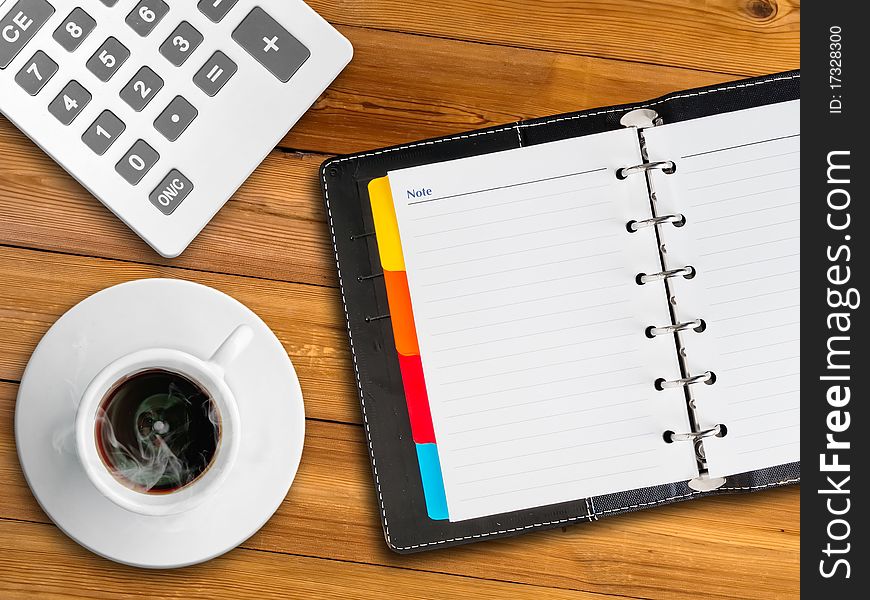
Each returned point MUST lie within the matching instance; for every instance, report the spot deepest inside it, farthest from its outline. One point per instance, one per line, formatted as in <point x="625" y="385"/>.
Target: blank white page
<point x="531" y="326"/>
<point x="738" y="184"/>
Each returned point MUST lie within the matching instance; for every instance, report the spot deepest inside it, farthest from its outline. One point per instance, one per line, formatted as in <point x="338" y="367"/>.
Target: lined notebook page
<point x="531" y="326"/>
<point x="738" y="184"/>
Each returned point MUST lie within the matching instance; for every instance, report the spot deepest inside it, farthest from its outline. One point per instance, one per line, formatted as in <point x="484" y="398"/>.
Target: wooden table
<point x="422" y="68"/>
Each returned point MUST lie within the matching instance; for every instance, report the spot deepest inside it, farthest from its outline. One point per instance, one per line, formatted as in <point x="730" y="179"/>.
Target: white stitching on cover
<point x="594" y="510"/>
<point x="353" y="351"/>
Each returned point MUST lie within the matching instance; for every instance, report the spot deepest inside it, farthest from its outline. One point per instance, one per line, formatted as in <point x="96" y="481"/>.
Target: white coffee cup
<point x="207" y="374"/>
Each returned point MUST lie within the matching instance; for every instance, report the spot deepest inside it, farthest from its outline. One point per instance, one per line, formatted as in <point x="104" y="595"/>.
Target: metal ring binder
<point x="666" y="166"/>
<point x="677" y="220"/>
<point x="377" y="318"/>
<point x="708" y="377"/>
<point x="688" y="272"/>
<point x="696" y="325"/>
<point x="716" y="431"/>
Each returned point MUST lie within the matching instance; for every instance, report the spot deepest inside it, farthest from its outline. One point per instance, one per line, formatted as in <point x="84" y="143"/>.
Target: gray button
<point x="73" y="31"/>
<point x="69" y="102"/>
<point x="109" y="3"/>
<point x="137" y="162"/>
<point x="215" y="73"/>
<point x="100" y="136"/>
<point x="216" y="10"/>
<point x="147" y="14"/>
<point x="141" y="89"/>
<point x="36" y="73"/>
<point x="176" y="118"/>
<point x="108" y="59"/>
<point x="20" y="25"/>
<point x="272" y="45"/>
<point x="181" y="43"/>
<point x="171" y="192"/>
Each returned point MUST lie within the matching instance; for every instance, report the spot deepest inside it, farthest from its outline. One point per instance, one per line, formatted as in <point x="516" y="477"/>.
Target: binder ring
<point x="369" y="319"/>
<point x="666" y="166"/>
<point x="716" y="431"/>
<point x="697" y="325"/>
<point x="677" y="220"/>
<point x="688" y="272"/>
<point x="708" y="377"/>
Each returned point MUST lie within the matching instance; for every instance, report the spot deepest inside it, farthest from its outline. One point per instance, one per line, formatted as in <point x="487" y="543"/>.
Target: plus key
<point x="271" y="45"/>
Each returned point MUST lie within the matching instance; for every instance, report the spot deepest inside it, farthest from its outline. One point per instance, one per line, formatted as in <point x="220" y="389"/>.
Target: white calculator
<point x="162" y="108"/>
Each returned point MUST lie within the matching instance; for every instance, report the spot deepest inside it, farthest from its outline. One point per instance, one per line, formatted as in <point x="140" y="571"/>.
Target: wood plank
<point x="38" y="287"/>
<point x="274" y="227"/>
<point x="746" y="546"/>
<point x="736" y="36"/>
<point x="38" y="560"/>
<point x="400" y="88"/>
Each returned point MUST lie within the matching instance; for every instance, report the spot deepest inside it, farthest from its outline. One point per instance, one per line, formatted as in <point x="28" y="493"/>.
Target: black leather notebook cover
<point x="398" y="486"/>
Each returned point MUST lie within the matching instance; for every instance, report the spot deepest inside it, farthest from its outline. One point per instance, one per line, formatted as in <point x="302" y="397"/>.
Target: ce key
<point x="19" y="26"/>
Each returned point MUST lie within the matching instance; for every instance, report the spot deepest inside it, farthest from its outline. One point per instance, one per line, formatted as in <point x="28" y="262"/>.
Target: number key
<point x="73" y="31"/>
<point x="146" y="16"/>
<point x="69" y="102"/>
<point x="137" y="162"/>
<point x="141" y="89"/>
<point x="108" y="59"/>
<point x="181" y="43"/>
<point x="100" y="136"/>
<point x="36" y="73"/>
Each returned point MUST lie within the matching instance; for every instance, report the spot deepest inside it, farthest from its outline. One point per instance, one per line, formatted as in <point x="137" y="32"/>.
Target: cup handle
<point x="231" y="347"/>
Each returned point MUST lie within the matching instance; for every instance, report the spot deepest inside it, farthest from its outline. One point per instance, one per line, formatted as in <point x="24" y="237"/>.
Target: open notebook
<point x="585" y="317"/>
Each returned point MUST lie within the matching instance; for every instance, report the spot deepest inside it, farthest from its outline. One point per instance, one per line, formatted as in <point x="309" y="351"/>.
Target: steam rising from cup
<point x="157" y="431"/>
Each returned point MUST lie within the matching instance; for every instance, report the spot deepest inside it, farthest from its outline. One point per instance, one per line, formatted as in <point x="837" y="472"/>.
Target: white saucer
<point x="131" y="317"/>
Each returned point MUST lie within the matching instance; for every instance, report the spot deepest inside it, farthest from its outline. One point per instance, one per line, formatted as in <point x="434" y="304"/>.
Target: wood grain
<point x="747" y="37"/>
<point x="401" y="88"/>
<point x="38" y="560"/>
<point x="274" y="227"/>
<point x="38" y="287"/>
<point x="331" y="513"/>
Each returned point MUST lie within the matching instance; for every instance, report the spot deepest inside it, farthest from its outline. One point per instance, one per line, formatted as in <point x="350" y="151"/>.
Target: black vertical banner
<point x="835" y="110"/>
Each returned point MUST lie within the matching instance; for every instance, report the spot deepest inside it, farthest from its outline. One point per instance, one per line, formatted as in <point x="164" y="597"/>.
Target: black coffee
<point x="157" y="431"/>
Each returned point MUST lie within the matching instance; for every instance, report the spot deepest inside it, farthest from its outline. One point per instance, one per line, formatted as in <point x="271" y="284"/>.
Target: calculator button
<point x="141" y="89"/>
<point x="73" y="31"/>
<point x="176" y="118"/>
<point x="147" y="14"/>
<point x="70" y="102"/>
<point x="36" y="73"/>
<point x="181" y="43"/>
<point x="272" y="45"/>
<point x="109" y="3"/>
<point x="20" y="25"/>
<point x="137" y="162"/>
<point x="108" y="59"/>
<point x="171" y="192"/>
<point x="100" y="136"/>
<point x="215" y="73"/>
<point x="216" y="10"/>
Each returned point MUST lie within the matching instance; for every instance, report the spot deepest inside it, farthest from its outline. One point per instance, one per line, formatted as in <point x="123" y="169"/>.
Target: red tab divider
<point x="417" y="399"/>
